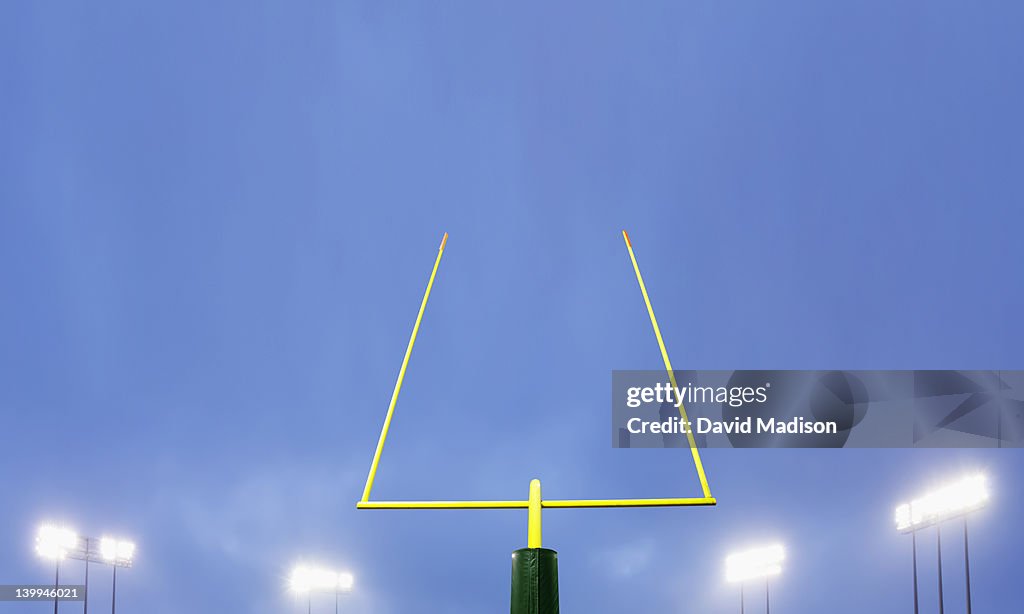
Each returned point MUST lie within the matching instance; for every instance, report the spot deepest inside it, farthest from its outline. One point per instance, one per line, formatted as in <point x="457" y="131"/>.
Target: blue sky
<point x="216" y="221"/>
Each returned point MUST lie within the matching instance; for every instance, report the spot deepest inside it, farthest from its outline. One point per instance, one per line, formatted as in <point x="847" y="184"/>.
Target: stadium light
<point x="954" y="500"/>
<point x="960" y="497"/>
<point x="58" y="543"/>
<point x="752" y="564"/>
<point x="116" y="551"/>
<point x="756" y="563"/>
<point x="55" y="543"/>
<point x="345" y="581"/>
<point x="306" y="579"/>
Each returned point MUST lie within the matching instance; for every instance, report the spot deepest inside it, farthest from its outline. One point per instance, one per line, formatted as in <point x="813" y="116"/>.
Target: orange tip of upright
<point x="444" y="240"/>
<point x="626" y="237"/>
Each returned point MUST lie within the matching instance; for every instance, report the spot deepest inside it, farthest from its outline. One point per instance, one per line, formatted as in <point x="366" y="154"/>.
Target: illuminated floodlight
<point x="116" y="551"/>
<point x="300" y="579"/>
<point x="755" y="563"/>
<point x="966" y="495"/>
<point x="306" y="579"/>
<point x="345" y="581"/>
<point x="53" y="542"/>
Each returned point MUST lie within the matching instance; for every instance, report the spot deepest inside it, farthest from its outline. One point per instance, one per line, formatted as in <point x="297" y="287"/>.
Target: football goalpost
<point x="534" y="568"/>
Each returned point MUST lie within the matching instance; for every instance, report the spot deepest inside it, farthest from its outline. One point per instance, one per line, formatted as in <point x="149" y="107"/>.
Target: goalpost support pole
<point x="534" y="568"/>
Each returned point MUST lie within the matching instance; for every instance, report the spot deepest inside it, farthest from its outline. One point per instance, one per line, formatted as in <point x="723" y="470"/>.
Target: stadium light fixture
<point x="54" y="542"/>
<point x="58" y="543"/>
<point x="313" y="579"/>
<point x="345" y="581"/>
<point x="957" y="499"/>
<point x="115" y="551"/>
<point x="306" y="579"/>
<point x="753" y="564"/>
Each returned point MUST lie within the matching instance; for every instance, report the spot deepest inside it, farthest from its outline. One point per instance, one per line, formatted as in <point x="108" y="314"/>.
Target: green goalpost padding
<point x="534" y="581"/>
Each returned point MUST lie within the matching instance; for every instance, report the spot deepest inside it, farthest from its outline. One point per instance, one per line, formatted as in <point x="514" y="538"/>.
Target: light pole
<point x="938" y="551"/>
<point x="55" y="543"/>
<point x="913" y="541"/>
<point x="116" y="553"/>
<point x="752" y="564"/>
<point x="954" y="500"/>
<point x="307" y="579"/>
<point x="967" y="567"/>
<point x="85" y="604"/>
<point x="58" y="543"/>
<point x="345" y="582"/>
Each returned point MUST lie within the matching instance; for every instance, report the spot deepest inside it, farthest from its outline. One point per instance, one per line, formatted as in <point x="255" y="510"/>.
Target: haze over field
<point x="216" y="222"/>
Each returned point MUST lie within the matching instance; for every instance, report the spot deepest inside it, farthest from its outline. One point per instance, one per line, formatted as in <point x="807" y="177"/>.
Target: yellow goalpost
<point x="534" y="503"/>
